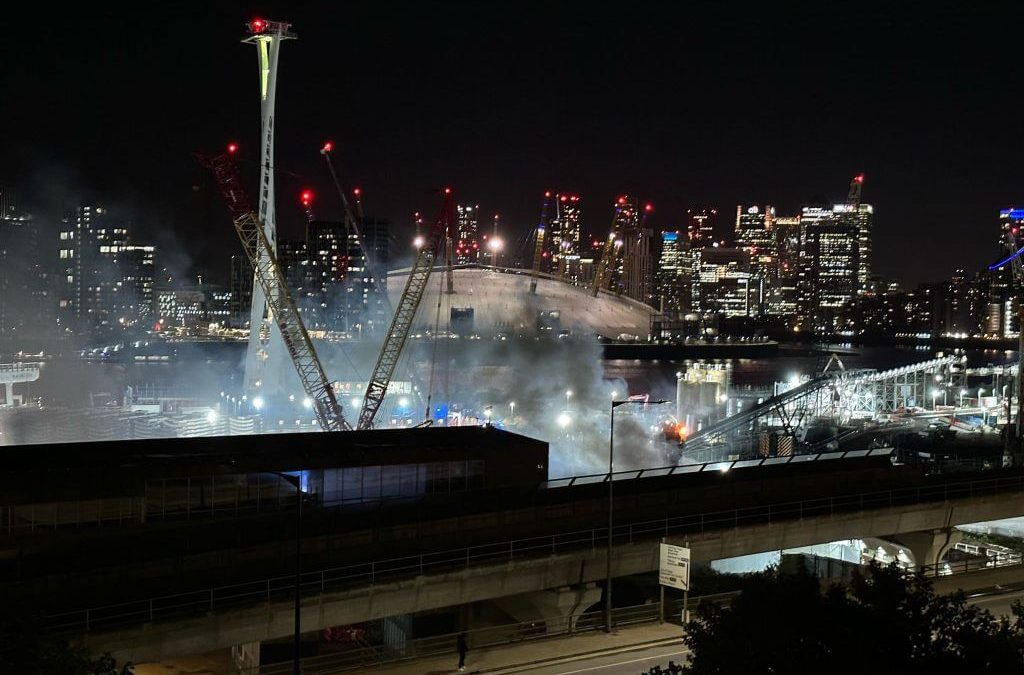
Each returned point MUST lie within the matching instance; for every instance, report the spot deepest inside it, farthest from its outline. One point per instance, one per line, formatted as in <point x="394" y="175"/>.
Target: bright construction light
<point x="794" y="379"/>
<point x="564" y="420"/>
<point x="419" y="241"/>
<point x="355" y="402"/>
<point x="211" y="417"/>
<point x="404" y="402"/>
<point x="258" y="403"/>
<point x="495" y="244"/>
<point x="724" y="398"/>
<point x="307" y="403"/>
<point x="935" y="394"/>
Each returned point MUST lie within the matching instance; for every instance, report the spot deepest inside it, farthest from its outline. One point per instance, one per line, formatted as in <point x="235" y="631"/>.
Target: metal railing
<point x="368" y="574"/>
<point x="367" y="656"/>
<point x="714" y="465"/>
<point x="943" y="569"/>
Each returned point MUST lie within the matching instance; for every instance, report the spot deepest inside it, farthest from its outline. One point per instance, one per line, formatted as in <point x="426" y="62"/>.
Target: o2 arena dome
<point x="497" y="302"/>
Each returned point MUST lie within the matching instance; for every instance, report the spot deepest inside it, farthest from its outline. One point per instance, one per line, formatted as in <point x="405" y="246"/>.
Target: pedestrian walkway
<point x="522" y="656"/>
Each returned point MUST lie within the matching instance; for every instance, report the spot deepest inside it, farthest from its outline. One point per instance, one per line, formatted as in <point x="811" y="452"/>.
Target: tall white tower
<point x="265" y="356"/>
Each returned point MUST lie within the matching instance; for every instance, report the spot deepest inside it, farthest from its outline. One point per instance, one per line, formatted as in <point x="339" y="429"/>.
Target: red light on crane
<point x="859" y="178"/>
<point x="232" y="148"/>
<point x="622" y="200"/>
<point x="564" y="198"/>
<point x="306" y="196"/>
<point x="447" y="190"/>
<point x="648" y="207"/>
<point x="547" y="194"/>
<point x="258" y="25"/>
<point x="328" y="146"/>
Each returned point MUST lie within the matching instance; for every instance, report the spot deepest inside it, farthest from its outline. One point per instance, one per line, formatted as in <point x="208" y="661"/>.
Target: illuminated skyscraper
<point x="830" y="265"/>
<point x="862" y="217"/>
<point x="700" y="227"/>
<point x="782" y="297"/>
<point x="675" y="273"/>
<point x="755" y="234"/>
<point x="565" y="238"/>
<point x="467" y="235"/>
<point x="106" y="281"/>
<point x="722" y="281"/>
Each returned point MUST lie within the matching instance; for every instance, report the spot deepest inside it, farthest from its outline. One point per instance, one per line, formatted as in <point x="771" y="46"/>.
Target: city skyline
<point x="502" y="151"/>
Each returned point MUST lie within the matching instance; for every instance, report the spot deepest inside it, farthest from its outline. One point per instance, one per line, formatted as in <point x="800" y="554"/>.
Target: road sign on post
<point x="674" y="570"/>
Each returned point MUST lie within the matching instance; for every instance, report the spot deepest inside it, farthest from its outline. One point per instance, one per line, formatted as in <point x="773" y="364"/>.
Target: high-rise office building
<point x="862" y="217"/>
<point x="782" y="297"/>
<point x="633" y="271"/>
<point x="106" y="281"/>
<point x="700" y="227"/>
<point x="675" y="273"/>
<point x="565" y="238"/>
<point x="830" y="267"/>
<point x="367" y="309"/>
<point x="26" y="304"/>
<point x="467" y="235"/>
<point x="722" y="281"/>
<point x="755" y="234"/>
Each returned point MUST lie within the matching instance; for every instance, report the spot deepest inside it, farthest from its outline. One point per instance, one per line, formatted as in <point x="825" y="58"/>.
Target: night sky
<point x="712" y="104"/>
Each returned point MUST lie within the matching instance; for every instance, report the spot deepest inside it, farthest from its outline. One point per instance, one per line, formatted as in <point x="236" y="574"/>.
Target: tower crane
<point x="538" y="246"/>
<point x="405" y="313"/>
<point x="268" y="273"/>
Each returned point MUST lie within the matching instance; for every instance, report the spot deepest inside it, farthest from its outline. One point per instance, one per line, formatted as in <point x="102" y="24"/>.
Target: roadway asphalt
<point x="623" y="663"/>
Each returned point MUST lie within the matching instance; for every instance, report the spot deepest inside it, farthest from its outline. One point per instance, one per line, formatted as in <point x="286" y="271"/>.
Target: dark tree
<point x="25" y="647"/>
<point x="883" y="622"/>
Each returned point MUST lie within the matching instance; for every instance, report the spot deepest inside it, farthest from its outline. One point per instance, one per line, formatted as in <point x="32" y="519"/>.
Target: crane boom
<point x="538" y="246"/>
<point x="405" y="313"/>
<point x="279" y="298"/>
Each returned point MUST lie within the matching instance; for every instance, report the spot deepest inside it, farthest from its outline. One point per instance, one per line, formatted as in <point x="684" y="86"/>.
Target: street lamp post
<point x="611" y="507"/>
<point x="296" y="482"/>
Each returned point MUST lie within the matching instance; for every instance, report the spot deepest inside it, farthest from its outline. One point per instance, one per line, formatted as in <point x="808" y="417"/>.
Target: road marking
<point x="622" y="663"/>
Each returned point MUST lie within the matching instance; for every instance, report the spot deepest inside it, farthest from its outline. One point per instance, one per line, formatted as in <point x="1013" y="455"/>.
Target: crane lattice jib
<point x="405" y="313"/>
<point x="279" y="298"/>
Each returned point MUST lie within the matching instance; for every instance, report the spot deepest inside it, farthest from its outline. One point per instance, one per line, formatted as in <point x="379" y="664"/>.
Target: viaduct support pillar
<point x="246" y="657"/>
<point x="5" y="389"/>
<point x="557" y="609"/>
<point x="928" y="547"/>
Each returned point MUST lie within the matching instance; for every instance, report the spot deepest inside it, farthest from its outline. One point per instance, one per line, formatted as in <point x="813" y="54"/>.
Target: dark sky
<point x="684" y="105"/>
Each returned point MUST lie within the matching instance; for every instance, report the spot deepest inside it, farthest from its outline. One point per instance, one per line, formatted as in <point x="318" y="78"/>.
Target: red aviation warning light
<point x="648" y="207"/>
<point x="328" y="147"/>
<point x="257" y="25"/>
<point x="232" y="148"/>
<point x="306" y="197"/>
<point x="622" y="200"/>
<point x="564" y="198"/>
<point x="357" y="192"/>
<point x="447" y="190"/>
<point x="547" y="195"/>
<point x="859" y="178"/>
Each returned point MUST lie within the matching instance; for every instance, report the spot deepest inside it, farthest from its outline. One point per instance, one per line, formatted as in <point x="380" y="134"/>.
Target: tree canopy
<point x="882" y="622"/>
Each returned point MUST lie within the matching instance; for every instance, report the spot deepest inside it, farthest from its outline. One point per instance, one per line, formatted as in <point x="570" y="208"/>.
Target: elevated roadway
<point x="920" y="512"/>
